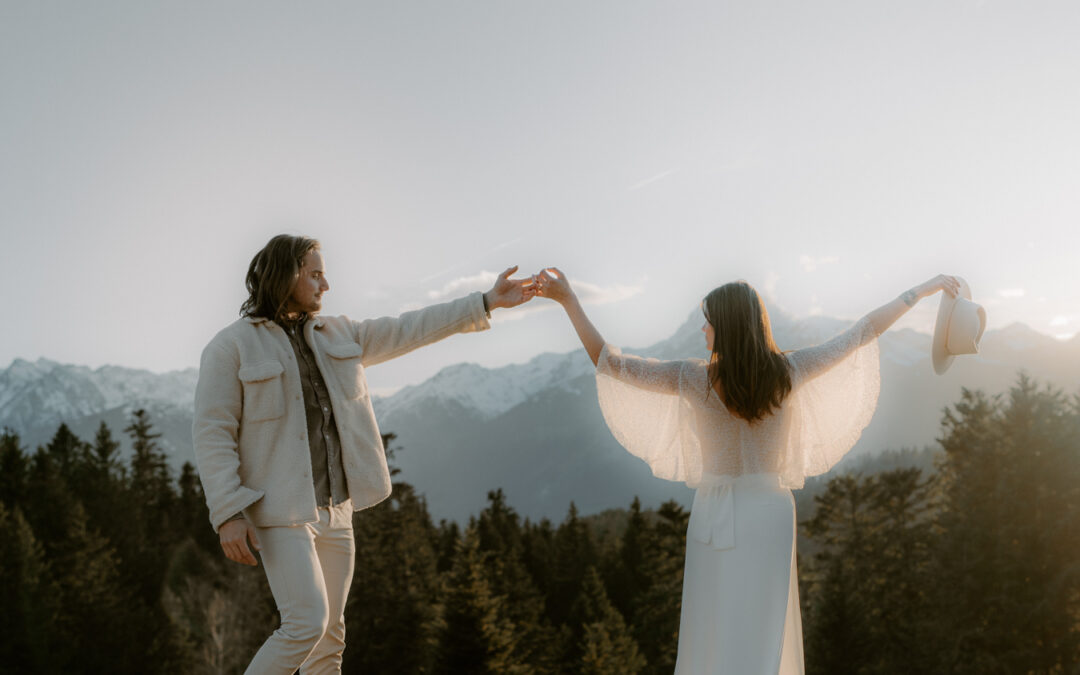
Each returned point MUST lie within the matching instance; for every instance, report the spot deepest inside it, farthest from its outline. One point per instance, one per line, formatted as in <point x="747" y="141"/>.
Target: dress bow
<point x="712" y="518"/>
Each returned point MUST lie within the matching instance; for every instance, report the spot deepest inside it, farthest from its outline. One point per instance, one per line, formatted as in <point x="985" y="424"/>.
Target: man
<point x="286" y="440"/>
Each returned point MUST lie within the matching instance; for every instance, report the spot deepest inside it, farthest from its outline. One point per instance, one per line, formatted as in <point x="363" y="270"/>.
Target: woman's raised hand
<point x="886" y="315"/>
<point x="552" y="283"/>
<point x="945" y="282"/>
<point x="942" y="282"/>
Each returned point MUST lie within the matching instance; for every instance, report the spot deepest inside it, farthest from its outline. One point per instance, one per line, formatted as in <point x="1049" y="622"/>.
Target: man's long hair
<point x="272" y="275"/>
<point x="752" y="373"/>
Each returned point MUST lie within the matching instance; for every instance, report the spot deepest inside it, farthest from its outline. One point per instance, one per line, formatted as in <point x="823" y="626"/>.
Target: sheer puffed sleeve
<point x="643" y="405"/>
<point x="834" y="393"/>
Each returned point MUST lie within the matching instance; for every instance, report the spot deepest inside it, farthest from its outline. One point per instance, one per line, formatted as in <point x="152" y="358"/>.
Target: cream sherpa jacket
<point x="250" y="429"/>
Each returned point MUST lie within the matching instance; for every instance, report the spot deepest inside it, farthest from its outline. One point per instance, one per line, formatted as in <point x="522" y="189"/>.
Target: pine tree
<point x="655" y="611"/>
<point x="66" y="449"/>
<point x="151" y="533"/>
<point x="93" y="600"/>
<point x="479" y="636"/>
<point x="46" y="501"/>
<point x="901" y="573"/>
<point x="868" y="585"/>
<point x="14" y="469"/>
<point x="101" y="487"/>
<point x="628" y="571"/>
<point x="606" y="646"/>
<point x="574" y="554"/>
<point x="28" y="598"/>
<point x="538" y="555"/>
<point x="193" y="516"/>
<point x="394" y="606"/>
<point x="967" y="547"/>
<point x="105" y="455"/>
<point x="149" y="466"/>
<point x="835" y="641"/>
<point x="1010" y="592"/>
<point x="447" y="541"/>
<point x="501" y="546"/>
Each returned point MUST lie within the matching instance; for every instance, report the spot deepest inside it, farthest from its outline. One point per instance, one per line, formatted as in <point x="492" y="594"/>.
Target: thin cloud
<point x="1061" y="320"/>
<point x="595" y="294"/>
<point x="588" y="293"/>
<point x="649" y="181"/>
<point x="810" y="264"/>
<point x="521" y="311"/>
<point x="493" y="249"/>
<point x="462" y="285"/>
<point x="1011" y="292"/>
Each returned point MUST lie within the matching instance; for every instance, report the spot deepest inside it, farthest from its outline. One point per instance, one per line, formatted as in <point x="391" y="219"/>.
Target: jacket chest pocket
<point x="264" y="390"/>
<point x="346" y="367"/>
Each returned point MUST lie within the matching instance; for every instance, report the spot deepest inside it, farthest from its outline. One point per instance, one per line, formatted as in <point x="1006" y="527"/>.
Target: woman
<point x="744" y="429"/>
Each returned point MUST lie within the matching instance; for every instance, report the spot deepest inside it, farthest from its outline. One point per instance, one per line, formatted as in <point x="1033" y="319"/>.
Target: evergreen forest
<point x="963" y="558"/>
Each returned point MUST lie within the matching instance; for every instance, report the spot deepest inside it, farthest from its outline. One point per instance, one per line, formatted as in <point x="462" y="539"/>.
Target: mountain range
<point x="535" y="429"/>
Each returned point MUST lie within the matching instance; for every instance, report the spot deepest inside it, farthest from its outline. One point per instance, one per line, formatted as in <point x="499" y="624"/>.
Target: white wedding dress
<point x="740" y="602"/>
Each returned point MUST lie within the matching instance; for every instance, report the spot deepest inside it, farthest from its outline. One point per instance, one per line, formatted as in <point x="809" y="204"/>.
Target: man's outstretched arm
<point x="389" y="337"/>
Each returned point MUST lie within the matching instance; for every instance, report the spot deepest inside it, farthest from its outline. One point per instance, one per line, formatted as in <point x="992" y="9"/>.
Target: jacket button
<point x="297" y="398"/>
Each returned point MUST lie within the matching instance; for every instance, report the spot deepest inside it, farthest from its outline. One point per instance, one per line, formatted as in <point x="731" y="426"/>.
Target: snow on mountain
<point x="42" y="394"/>
<point x="534" y="428"/>
<point x="489" y="392"/>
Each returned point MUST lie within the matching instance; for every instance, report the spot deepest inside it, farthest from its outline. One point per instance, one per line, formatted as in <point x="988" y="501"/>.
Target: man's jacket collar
<point x="316" y="320"/>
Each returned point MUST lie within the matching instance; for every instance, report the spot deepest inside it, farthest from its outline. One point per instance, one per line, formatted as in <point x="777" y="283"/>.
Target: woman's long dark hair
<point x="273" y="273"/>
<point x="753" y="375"/>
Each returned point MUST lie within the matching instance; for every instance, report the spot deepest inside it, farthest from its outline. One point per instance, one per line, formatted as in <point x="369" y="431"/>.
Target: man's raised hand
<point x="509" y="292"/>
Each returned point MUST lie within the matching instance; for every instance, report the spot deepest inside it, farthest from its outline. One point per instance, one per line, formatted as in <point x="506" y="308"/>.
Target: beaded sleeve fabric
<point x="664" y="412"/>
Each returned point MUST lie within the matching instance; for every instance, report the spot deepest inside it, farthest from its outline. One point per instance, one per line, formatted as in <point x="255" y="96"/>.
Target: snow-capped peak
<point x="491" y="391"/>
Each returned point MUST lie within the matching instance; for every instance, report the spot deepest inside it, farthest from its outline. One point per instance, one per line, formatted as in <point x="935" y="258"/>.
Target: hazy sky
<point x="831" y="153"/>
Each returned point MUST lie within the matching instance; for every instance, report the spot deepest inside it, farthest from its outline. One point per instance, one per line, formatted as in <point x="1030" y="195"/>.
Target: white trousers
<point x="310" y="569"/>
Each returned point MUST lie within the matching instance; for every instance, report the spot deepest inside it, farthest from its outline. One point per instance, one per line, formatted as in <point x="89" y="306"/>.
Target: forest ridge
<point x="970" y="567"/>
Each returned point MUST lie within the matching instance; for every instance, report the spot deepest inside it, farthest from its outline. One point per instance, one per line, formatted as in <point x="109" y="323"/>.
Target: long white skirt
<point x="740" y="601"/>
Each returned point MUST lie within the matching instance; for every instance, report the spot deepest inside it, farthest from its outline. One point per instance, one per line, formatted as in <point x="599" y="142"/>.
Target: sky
<point x="833" y="154"/>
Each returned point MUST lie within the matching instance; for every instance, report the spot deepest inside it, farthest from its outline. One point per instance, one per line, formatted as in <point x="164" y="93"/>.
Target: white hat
<point x="960" y="326"/>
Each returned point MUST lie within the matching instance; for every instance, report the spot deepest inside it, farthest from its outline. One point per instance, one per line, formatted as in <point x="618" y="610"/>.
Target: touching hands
<point x="549" y="283"/>
<point x="552" y="283"/>
<point x="234" y="535"/>
<point x="509" y="292"/>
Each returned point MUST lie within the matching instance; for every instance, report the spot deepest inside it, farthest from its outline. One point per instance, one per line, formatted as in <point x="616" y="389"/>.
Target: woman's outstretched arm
<point x="552" y="283"/>
<point x="885" y="316"/>
<point x="812" y="361"/>
<point x="649" y="374"/>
